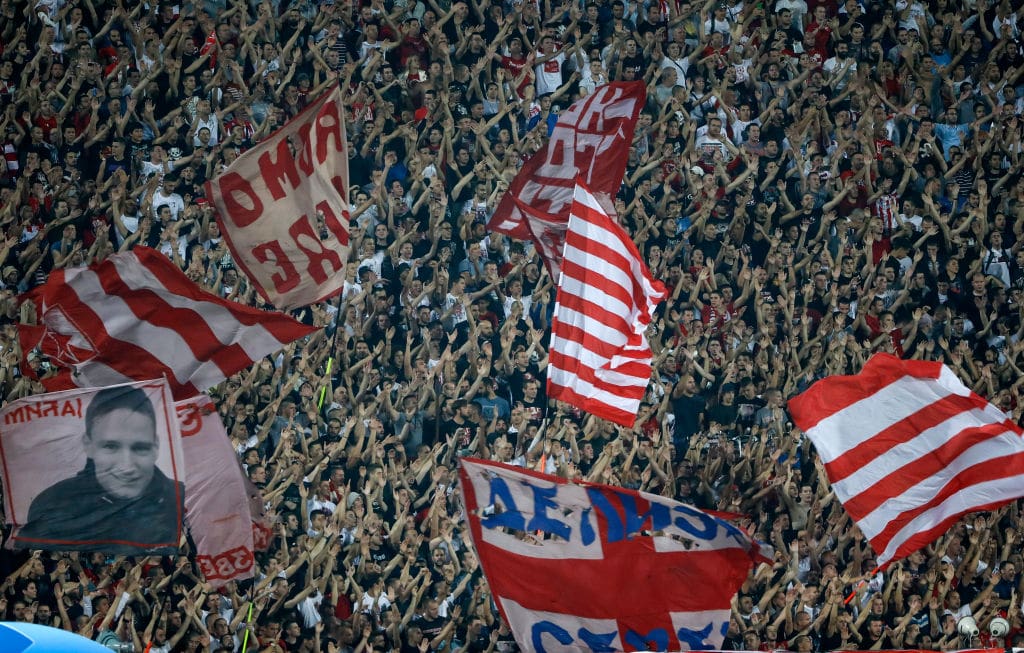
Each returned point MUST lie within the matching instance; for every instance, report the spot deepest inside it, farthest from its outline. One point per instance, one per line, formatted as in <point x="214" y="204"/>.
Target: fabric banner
<point x="217" y="503"/>
<point x="136" y="316"/>
<point x="909" y="449"/>
<point x="590" y="141"/>
<point x="600" y="358"/>
<point x="578" y="567"/>
<point x="262" y="528"/>
<point x="94" y="470"/>
<point x="283" y="207"/>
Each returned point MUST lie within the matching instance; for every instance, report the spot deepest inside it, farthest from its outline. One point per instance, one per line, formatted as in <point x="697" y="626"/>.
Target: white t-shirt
<point x="211" y="124"/>
<point x="172" y="200"/>
<point x="458" y="309"/>
<point x="549" y="74"/>
<point x="309" y="609"/>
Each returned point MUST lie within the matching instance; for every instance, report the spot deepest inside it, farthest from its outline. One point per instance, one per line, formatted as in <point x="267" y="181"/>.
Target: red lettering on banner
<point x="276" y="171"/>
<point x="261" y="536"/>
<point x="305" y="149"/>
<point x="329" y="130"/>
<point x="206" y="567"/>
<point x="546" y="199"/>
<point x="261" y="199"/>
<point x="73" y="409"/>
<point x="47" y="408"/>
<point x="592" y="114"/>
<point x="560" y="147"/>
<point x="331" y="221"/>
<point x="243" y="215"/>
<point x="306" y="239"/>
<point x="273" y="253"/>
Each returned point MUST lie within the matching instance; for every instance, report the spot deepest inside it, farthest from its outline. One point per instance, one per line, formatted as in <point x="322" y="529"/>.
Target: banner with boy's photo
<point x="97" y="469"/>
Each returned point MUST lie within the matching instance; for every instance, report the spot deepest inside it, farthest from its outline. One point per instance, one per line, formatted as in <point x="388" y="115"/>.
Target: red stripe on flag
<point x="917" y="470"/>
<point x="591" y="342"/>
<point x="591" y="279"/>
<point x="594" y="312"/>
<point x="590" y="405"/>
<point x="899" y="433"/>
<point x="985" y="471"/>
<point x="213" y="329"/>
<point x="150" y="307"/>
<point x="282" y="327"/>
<point x="131" y="360"/>
<point x="930" y="489"/>
<point x="833" y="394"/>
<point x="598" y="336"/>
<point x="921" y="539"/>
<point x="584" y="373"/>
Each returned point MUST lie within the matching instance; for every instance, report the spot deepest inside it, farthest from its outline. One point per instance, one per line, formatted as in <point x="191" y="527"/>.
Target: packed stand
<point x="813" y="181"/>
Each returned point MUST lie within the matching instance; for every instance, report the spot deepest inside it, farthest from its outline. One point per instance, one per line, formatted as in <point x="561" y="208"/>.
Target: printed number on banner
<point x="227" y="564"/>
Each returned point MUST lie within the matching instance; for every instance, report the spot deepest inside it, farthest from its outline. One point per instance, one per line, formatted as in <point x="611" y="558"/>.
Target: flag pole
<point x="859" y="585"/>
<point x="248" y="622"/>
<point x="330" y="359"/>
<point x="327" y="382"/>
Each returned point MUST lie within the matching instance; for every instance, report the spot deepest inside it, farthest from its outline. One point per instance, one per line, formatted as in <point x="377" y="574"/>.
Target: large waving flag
<point x="600" y="360"/>
<point x="283" y="208"/>
<point x="587" y="567"/>
<point x="137" y="316"/>
<point x="909" y="450"/>
<point x="590" y="141"/>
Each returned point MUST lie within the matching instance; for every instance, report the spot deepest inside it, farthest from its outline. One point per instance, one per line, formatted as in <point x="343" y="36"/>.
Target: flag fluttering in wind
<point x="136" y="316"/>
<point x="909" y="449"/>
<point x="600" y="360"/>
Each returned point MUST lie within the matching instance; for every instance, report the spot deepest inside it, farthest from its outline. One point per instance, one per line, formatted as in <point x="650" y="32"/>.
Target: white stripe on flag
<point x="927" y="489"/>
<point x="594" y="328"/>
<point x="145" y="319"/>
<point x="610" y="378"/>
<point x="222" y="323"/>
<point x="895" y="458"/>
<point x="595" y="361"/>
<point x="908" y="449"/>
<point x="569" y="380"/>
<point x="165" y="345"/>
<point x="980" y="494"/>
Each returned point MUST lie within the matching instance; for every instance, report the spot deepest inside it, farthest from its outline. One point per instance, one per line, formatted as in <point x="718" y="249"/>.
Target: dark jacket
<point x="77" y="514"/>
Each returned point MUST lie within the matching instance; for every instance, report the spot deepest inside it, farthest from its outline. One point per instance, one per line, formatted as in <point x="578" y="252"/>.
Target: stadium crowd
<point x="813" y="180"/>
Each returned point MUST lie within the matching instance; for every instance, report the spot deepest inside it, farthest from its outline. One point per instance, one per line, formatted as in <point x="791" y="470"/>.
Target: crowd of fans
<point x="813" y="180"/>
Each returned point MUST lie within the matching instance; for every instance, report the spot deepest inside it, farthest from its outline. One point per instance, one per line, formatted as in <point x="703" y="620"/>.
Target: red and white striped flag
<point x="137" y="316"/>
<point x="909" y="450"/>
<point x="600" y="360"/>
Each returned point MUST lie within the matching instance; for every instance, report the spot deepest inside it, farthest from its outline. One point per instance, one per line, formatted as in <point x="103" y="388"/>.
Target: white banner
<point x="217" y="503"/>
<point x="283" y="207"/>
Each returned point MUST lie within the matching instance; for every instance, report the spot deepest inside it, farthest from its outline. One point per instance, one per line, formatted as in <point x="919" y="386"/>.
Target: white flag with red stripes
<point x="600" y="360"/>
<point x="136" y="316"/>
<point x="909" y="450"/>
